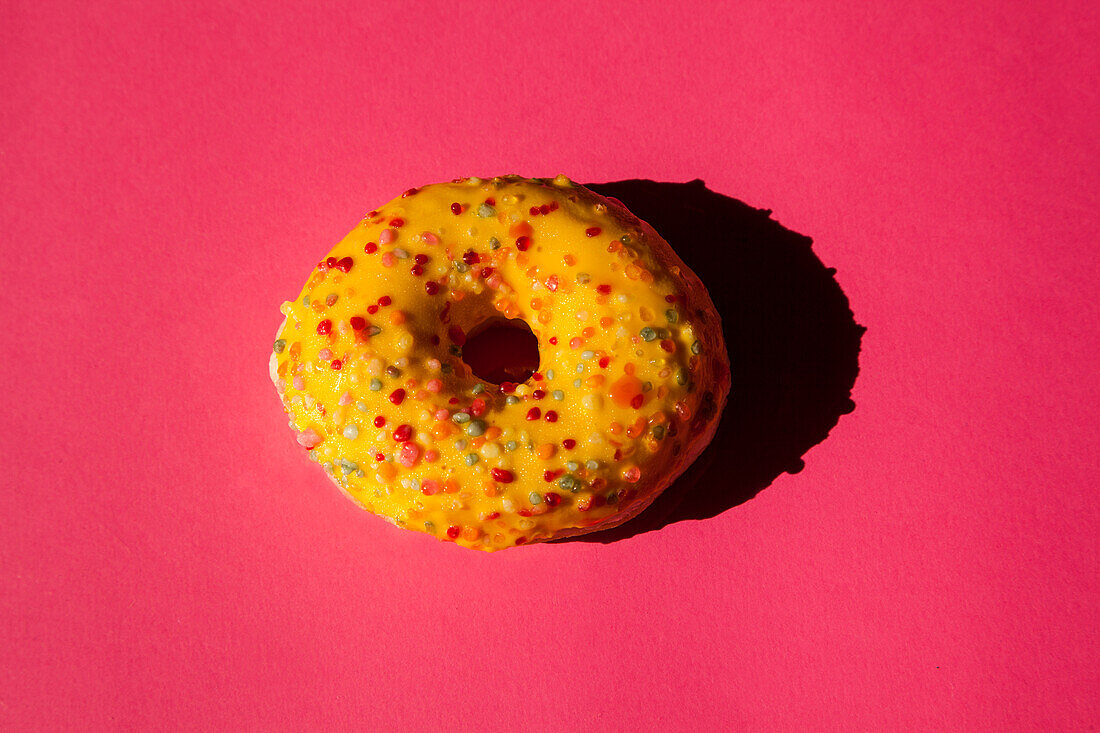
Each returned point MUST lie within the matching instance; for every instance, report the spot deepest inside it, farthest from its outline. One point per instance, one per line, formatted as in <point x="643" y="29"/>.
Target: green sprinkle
<point x="647" y="386"/>
<point x="658" y="431"/>
<point x="696" y="347"/>
<point x="374" y="331"/>
<point x="648" y="334"/>
<point x="485" y="211"/>
<point x="494" y="243"/>
<point x="430" y="526"/>
<point x="478" y="388"/>
<point x="375" y="384"/>
<point x="471" y="459"/>
<point x="682" y="377"/>
<point x="305" y="300"/>
<point x="625" y="239"/>
<point x="462" y="267"/>
<point x="672" y="315"/>
<point x="460" y="417"/>
<point x="511" y="400"/>
<point x="558" y="395"/>
<point x="401" y="254"/>
<point x="535" y="497"/>
<point x="279" y="346"/>
<point x="475" y="428"/>
<point x="568" y="483"/>
<point x="549" y="373"/>
<point x="510" y="446"/>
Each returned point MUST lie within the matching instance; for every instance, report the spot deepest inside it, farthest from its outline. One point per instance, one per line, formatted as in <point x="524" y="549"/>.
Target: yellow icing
<point x="555" y="287"/>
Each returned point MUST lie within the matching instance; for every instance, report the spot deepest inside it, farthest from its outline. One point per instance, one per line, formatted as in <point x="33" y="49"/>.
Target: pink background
<point x="171" y="559"/>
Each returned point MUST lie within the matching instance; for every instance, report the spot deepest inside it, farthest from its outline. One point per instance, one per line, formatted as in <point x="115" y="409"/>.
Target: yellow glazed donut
<point x="630" y="380"/>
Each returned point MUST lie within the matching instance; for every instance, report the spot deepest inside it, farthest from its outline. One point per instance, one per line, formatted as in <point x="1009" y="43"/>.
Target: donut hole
<point x="501" y="350"/>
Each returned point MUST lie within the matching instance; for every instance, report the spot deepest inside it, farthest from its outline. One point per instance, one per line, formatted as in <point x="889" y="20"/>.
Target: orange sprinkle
<point x="614" y="246"/>
<point x="632" y="271"/>
<point x="658" y="418"/>
<point x="522" y="229"/>
<point x="588" y="332"/>
<point x="491" y="489"/>
<point x="545" y="316"/>
<point x="470" y="533"/>
<point x="386" y="471"/>
<point x="607" y="321"/>
<point x="441" y="430"/>
<point x="594" y="381"/>
<point x="569" y="260"/>
<point x="522" y="259"/>
<point x="492" y="433"/>
<point x="662" y="392"/>
<point x="536" y="304"/>
<point x="546" y="451"/>
<point x="628" y="367"/>
<point x="450" y="486"/>
<point x="477" y="442"/>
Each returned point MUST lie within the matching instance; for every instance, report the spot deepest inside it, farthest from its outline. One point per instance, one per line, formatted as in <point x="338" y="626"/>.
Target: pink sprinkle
<point x="431" y="456"/>
<point x="388" y="259"/>
<point x="309" y="439"/>
<point x="434" y="385"/>
<point x="575" y="342"/>
<point x="325" y="354"/>
<point x="429" y="486"/>
<point x="387" y="236"/>
<point x="299" y="384"/>
<point x="442" y="414"/>
<point x="345" y="399"/>
<point x="408" y="455"/>
<point x="280" y="385"/>
<point x="429" y="238"/>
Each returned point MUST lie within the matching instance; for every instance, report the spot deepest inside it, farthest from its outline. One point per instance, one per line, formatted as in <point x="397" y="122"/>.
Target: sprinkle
<point x="494" y="243"/>
<point x="388" y="259"/>
<point x="592" y="231"/>
<point x="351" y="431"/>
<point x="696" y="347"/>
<point x="361" y="406"/>
<point x="534" y="413"/>
<point x="460" y="444"/>
<point x="503" y="476"/>
<point x="337" y="364"/>
<point x="324" y="327"/>
<point x="551" y="416"/>
<point x="549" y="373"/>
<point x="403" y="433"/>
<point x="511" y="400"/>
<point x="358" y="323"/>
<point x="408" y="455"/>
<point x="588" y="354"/>
<point x="453" y="532"/>
<point x="344" y="265"/>
<point x="460" y="417"/>
<point x="429" y="238"/>
<point x="572" y="465"/>
<point x="682" y="377"/>
<point x="569" y="444"/>
<point x="558" y="395"/>
<point x="485" y="211"/>
<point x="672" y="315"/>
<point x="280" y="344"/>
<point x="648" y="334"/>
<point x="324" y="354"/>
<point x="522" y="243"/>
<point x="387" y="236"/>
<point x="535" y="497"/>
<point x="379" y="421"/>
<point x="375" y="384"/>
<point x="456" y="208"/>
<point x="370" y="248"/>
<point x="397" y="396"/>
<point x="309" y="439"/>
<point x="552" y="499"/>
<point x="510" y="446"/>
<point x="591" y="465"/>
<point x="401" y="254"/>
<point x="431" y="287"/>
<point x="471" y="459"/>
<point x="475" y="428"/>
<point x="569" y="483"/>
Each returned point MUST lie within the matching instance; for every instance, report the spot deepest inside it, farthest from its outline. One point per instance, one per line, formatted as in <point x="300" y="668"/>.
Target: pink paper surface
<point x="171" y="171"/>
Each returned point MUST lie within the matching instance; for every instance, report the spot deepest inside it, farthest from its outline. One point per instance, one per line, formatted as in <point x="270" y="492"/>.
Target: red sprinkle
<point x="569" y="443"/>
<point x="372" y="309"/>
<point x="324" y="327"/>
<point x="507" y="387"/>
<point x="520" y="541"/>
<point x="533" y="211"/>
<point x="379" y="422"/>
<point x="432" y="287"/>
<point x="453" y="531"/>
<point x="456" y="208"/>
<point x="330" y="262"/>
<point x="477" y="407"/>
<point x="384" y="301"/>
<point x="486" y="271"/>
<point x="670" y="298"/>
<point x="637" y="401"/>
<point x="553" y="340"/>
<point x="534" y="413"/>
<point x="345" y="264"/>
<point x="471" y="258"/>
<point x="604" y="361"/>
<point x="410" y="192"/>
<point x="358" y="323"/>
<point x="417" y="270"/>
<point x="370" y="248"/>
<point x="603" y="289"/>
<point x="592" y="231"/>
<point x="551" y="416"/>
<point x="337" y="364"/>
<point x="504" y="477"/>
<point x="403" y="433"/>
<point x="538" y="394"/>
<point x="552" y="499"/>
<point x="523" y="243"/>
<point x="398" y="222"/>
<point x="397" y="396"/>
<point x="544" y="209"/>
<point x="421" y="259"/>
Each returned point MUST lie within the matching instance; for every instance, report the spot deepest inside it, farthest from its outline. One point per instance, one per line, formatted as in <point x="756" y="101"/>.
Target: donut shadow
<point x="792" y="339"/>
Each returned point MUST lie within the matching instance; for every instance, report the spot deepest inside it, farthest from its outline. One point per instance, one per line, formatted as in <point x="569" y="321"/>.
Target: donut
<point x="619" y="387"/>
